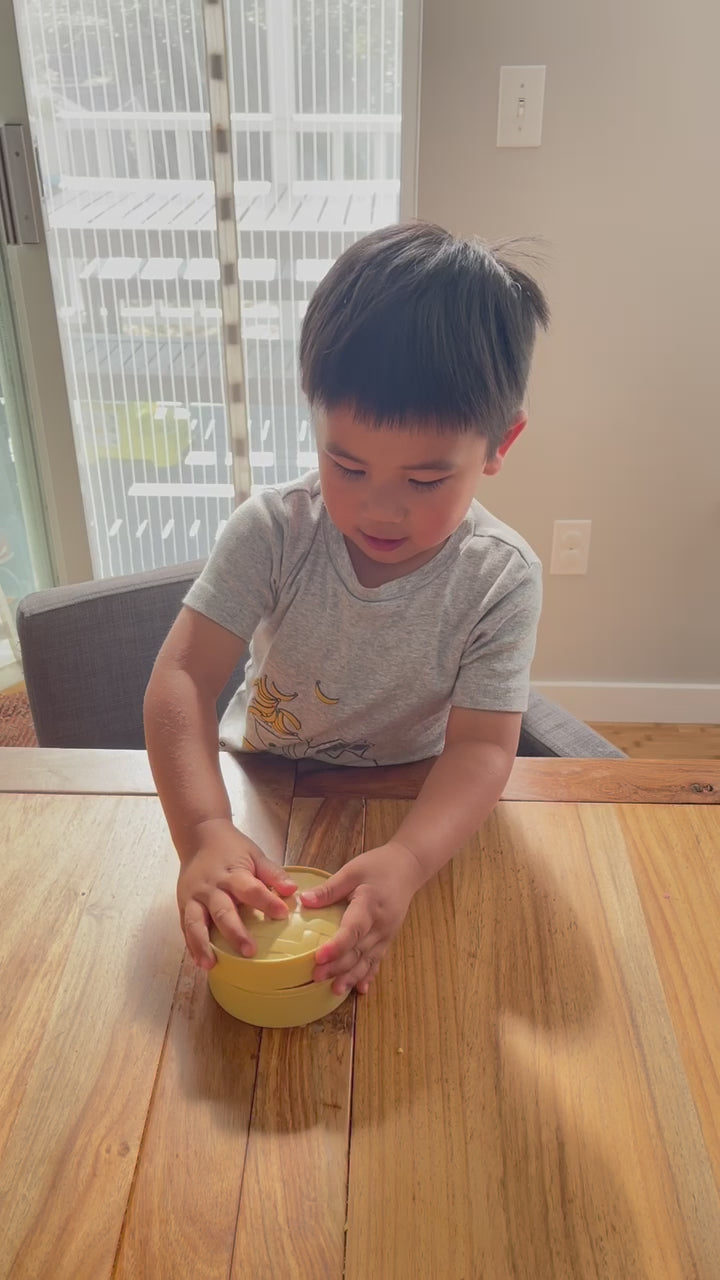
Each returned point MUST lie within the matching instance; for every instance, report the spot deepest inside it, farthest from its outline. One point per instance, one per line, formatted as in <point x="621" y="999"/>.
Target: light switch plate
<point x="520" y="106"/>
<point x="570" y="546"/>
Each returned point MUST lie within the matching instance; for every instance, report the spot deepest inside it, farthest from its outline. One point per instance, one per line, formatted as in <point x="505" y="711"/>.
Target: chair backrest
<point x="88" y="651"/>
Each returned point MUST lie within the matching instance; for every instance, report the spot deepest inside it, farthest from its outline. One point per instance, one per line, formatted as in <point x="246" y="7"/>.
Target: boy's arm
<point x="463" y="786"/>
<point x="459" y="793"/>
<point x="181" y="727"/>
<point x="220" y="867"/>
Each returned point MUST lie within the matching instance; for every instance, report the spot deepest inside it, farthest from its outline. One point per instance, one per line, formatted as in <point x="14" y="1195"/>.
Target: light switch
<point x="570" y="546"/>
<point x="520" y="106"/>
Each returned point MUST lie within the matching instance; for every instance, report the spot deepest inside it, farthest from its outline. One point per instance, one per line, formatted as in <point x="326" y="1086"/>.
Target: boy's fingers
<point x="273" y="875"/>
<point x="356" y="925"/>
<point x="224" y="912"/>
<point x="347" y="961"/>
<point x="247" y="888"/>
<point x="333" y="890"/>
<point x="363" y="972"/>
<point x="197" y="937"/>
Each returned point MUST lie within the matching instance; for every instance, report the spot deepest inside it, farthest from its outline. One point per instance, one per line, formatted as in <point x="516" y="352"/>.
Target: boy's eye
<point x="425" y="485"/>
<point x="345" y="471"/>
<point x="428" y="484"/>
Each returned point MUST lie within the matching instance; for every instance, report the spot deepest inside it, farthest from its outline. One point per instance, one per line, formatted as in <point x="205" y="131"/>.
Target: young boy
<point x="389" y="616"/>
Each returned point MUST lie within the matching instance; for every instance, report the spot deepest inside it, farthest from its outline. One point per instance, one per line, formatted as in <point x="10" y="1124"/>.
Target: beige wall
<point x="625" y="396"/>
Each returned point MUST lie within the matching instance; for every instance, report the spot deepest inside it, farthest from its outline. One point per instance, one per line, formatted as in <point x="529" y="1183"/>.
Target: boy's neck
<point x="372" y="573"/>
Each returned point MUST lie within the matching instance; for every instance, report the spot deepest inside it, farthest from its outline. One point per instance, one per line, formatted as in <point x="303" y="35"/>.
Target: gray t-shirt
<point x="365" y="675"/>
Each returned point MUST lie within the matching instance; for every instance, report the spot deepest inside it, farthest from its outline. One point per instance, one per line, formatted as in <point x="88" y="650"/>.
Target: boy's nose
<point x="384" y="507"/>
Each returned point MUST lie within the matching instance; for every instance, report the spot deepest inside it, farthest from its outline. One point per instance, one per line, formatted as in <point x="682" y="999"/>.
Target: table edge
<point x="84" y="771"/>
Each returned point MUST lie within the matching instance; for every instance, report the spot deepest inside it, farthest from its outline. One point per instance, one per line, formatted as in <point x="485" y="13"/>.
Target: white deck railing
<point x="130" y="211"/>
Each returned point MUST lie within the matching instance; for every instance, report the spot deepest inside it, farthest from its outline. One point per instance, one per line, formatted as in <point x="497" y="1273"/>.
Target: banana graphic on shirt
<point x="273" y="721"/>
<point x="266" y="709"/>
<point x="322" y="697"/>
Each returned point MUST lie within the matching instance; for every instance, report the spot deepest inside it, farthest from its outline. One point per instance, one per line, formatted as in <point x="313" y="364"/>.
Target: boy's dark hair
<point x="412" y="326"/>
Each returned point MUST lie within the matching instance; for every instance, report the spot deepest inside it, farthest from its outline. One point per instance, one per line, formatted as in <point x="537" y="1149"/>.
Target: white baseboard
<point x="644" y="703"/>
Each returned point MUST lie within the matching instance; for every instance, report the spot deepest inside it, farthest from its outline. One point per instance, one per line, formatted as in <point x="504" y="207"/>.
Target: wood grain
<point x="249" y="780"/>
<point x="409" y="1205"/>
<point x="585" y="1156"/>
<point x="396" y="782"/>
<point x="39" y="923"/>
<point x="551" y="780"/>
<point x="48" y="769"/>
<point x="183" y="1209"/>
<point x="261" y="791"/>
<point x="664" y="741"/>
<point x="76" y="1126"/>
<point x="675" y="856"/>
<point x="292" y="1213"/>
<point x="553" y="1110"/>
<point x="77" y="771"/>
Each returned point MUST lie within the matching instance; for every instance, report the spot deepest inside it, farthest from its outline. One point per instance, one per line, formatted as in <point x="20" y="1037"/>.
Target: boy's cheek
<point x="435" y="527"/>
<point x="338" y="504"/>
<point x="453" y="513"/>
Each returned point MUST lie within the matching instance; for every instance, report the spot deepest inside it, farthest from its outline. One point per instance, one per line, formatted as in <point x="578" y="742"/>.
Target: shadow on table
<point x="520" y="942"/>
<point x="304" y="1075"/>
<point x="212" y="1058"/>
<point x="546" y="1199"/>
<point x="543" y="1199"/>
<point x="153" y="962"/>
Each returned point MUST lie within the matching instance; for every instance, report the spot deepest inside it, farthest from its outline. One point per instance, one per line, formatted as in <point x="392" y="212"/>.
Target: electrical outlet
<point x="571" y="546"/>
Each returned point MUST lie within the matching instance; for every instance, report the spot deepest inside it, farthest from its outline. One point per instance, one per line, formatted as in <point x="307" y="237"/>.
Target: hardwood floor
<point x="664" y="741"/>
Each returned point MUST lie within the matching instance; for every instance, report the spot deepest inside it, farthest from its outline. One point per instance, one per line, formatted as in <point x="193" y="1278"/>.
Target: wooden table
<point x="531" y="1089"/>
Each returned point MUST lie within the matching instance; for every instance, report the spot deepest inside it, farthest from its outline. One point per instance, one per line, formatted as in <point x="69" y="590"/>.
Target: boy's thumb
<point x="333" y="890"/>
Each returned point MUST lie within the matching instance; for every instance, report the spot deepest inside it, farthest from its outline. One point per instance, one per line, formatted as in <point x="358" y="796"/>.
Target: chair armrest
<point x="549" y="730"/>
<point x="88" y="651"/>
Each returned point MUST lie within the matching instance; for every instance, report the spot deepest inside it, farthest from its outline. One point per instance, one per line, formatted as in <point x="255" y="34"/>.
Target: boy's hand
<point x="227" y="869"/>
<point x="379" y="885"/>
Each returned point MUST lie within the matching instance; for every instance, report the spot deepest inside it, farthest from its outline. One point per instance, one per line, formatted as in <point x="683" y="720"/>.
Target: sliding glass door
<point x="24" y="562"/>
<point x="119" y="108"/>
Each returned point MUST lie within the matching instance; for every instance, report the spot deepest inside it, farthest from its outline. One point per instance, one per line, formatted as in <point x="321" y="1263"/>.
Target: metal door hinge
<point x="17" y="186"/>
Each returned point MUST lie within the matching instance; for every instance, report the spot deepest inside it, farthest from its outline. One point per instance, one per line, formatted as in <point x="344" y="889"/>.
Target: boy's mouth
<point x="383" y="544"/>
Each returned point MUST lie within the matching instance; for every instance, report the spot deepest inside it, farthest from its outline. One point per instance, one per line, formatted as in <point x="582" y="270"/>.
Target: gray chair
<point x="88" y="651"/>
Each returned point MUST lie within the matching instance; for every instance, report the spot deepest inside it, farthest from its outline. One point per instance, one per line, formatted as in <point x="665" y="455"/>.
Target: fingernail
<point x="342" y="989"/>
<point x="311" y="896"/>
<point x="246" y="948"/>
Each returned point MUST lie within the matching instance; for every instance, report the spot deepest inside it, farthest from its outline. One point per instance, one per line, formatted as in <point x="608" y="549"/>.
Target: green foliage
<point x="132" y="433"/>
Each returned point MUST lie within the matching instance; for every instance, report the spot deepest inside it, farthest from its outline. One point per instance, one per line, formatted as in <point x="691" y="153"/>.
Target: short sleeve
<point x="238" y="586"/>
<point x="494" y="670"/>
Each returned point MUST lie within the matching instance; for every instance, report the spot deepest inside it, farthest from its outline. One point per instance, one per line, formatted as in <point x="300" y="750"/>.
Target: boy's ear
<point x="493" y="465"/>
